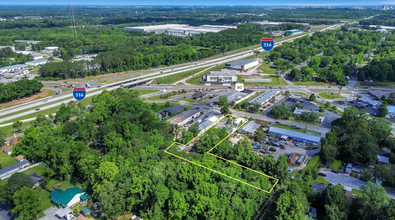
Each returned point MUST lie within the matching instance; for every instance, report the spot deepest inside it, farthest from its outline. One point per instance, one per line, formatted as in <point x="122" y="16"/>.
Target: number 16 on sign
<point x="239" y="87"/>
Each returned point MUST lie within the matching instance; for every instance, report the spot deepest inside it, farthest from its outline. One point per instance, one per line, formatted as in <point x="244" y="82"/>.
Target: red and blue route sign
<point x="267" y="44"/>
<point x="79" y="93"/>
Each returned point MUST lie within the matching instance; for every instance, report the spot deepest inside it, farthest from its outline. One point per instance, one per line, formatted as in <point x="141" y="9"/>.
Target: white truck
<point x="87" y="85"/>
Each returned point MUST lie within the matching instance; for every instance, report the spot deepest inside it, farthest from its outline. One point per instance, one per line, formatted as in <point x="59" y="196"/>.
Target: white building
<point x="51" y="49"/>
<point x="12" y="47"/>
<point x="391" y="110"/>
<point x="238" y="97"/>
<point x="382" y="30"/>
<point x="243" y="64"/>
<point x="184" y="117"/>
<point x="224" y="76"/>
<point x="265" y="97"/>
<point x="206" y="124"/>
<point x="38" y="57"/>
<point x="12" y="68"/>
<point x="180" y="29"/>
<point x="36" y="62"/>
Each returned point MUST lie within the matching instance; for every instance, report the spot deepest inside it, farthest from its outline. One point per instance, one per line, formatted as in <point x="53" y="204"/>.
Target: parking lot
<point x="16" y="75"/>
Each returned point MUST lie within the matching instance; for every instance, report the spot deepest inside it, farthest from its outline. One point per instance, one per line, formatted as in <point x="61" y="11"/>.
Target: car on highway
<point x="37" y="109"/>
<point x="98" y="86"/>
<point x="161" y="71"/>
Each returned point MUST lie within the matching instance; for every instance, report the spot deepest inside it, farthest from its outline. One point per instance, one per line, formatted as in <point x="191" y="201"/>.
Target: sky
<point x="201" y="2"/>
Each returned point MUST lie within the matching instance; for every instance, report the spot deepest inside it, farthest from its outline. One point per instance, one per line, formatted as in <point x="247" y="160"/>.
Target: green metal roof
<point x="84" y="196"/>
<point x="86" y="210"/>
<point x="64" y="197"/>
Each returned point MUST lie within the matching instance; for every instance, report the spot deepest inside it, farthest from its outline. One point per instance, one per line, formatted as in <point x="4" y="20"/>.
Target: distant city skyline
<point x="207" y="2"/>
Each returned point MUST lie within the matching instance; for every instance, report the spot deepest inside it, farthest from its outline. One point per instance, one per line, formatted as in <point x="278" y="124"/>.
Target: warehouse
<point x="154" y="28"/>
<point x="51" y="49"/>
<point x="207" y="123"/>
<point x="238" y="97"/>
<point x="12" y="47"/>
<point x="36" y="62"/>
<point x="243" y="64"/>
<point x="185" y="117"/>
<point x="38" y="57"/>
<point x="302" y="137"/>
<point x="249" y="128"/>
<point x="171" y="111"/>
<point x="221" y="76"/>
<point x="293" y="31"/>
<point x="12" y="68"/>
<point x="264" y="97"/>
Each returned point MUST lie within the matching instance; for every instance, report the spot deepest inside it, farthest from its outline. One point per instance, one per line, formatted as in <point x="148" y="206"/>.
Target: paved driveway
<point x="50" y="214"/>
<point x="5" y="212"/>
<point x="349" y="182"/>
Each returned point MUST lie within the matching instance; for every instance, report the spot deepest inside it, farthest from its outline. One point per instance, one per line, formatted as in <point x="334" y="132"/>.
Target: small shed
<point x="86" y="211"/>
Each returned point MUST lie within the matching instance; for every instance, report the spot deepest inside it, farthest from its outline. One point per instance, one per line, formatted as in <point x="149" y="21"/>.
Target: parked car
<point x="282" y="146"/>
<point x="296" y="144"/>
<point x="334" y="171"/>
<point x="273" y="149"/>
<point x="322" y="174"/>
<point x="276" y="144"/>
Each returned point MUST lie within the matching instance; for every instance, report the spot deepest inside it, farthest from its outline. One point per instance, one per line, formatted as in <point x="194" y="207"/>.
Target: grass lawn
<point x="375" y="84"/>
<point x="157" y="97"/>
<point x="6" y="160"/>
<point x="176" y="77"/>
<point x="125" y="217"/>
<point x="310" y="165"/>
<point x="195" y="80"/>
<point x="187" y="100"/>
<point x="266" y="68"/>
<point x="145" y="91"/>
<point x="357" y="192"/>
<point x="295" y="129"/>
<point x="275" y="82"/>
<point x="65" y="184"/>
<point x="202" y="103"/>
<point x="300" y="121"/>
<point x="9" y="131"/>
<point x="46" y="202"/>
<point x="311" y="84"/>
<point x="319" y="179"/>
<point x="336" y="165"/>
<point x="330" y="95"/>
<point x="301" y="93"/>
<point x="161" y="106"/>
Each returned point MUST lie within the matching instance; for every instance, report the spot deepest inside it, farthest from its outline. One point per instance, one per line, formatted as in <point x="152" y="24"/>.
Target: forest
<point x="19" y="89"/>
<point x="8" y="57"/>
<point x="145" y="52"/>
<point x="332" y="55"/>
<point x="385" y="20"/>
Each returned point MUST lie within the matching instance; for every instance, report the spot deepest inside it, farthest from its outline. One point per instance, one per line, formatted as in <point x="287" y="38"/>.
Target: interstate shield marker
<point x="79" y="93"/>
<point x="267" y="44"/>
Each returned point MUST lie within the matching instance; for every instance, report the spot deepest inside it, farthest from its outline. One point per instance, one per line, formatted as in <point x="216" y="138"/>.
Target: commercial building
<point x="249" y="128"/>
<point x="378" y="94"/>
<point x="180" y="29"/>
<point x="265" y="97"/>
<point x="172" y="110"/>
<point x="12" y="47"/>
<point x="391" y="110"/>
<point x="299" y="112"/>
<point x="185" y="117"/>
<point x="370" y="102"/>
<point x="12" y="68"/>
<point x="38" y="57"/>
<point x="27" y="41"/>
<point x="8" y="171"/>
<point x="243" y="64"/>
<point x="51" y="49"/>
<point x="238" y="97"/>
<point x="293" y="31"/>
<point x="264" y="23"/>
<point x="302" y="137"/>
<point x="224" y="76"/>
<point x="199" y="95"/>
<point x="207" y="123"/>
<point x="36" y="62"/>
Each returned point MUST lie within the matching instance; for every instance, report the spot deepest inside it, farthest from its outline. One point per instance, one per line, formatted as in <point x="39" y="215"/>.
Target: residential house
<point x="5" y="172"/>
<point x="65" y="213"/>
<point x="69" y="197"/>
<point x="20" y="158"/>
<point x="382" y="159"/>
<point x="7" y="150"/>
<point x="14" y="140"/>
<point x="318" y="187"/>
<point x="37" y="179"/>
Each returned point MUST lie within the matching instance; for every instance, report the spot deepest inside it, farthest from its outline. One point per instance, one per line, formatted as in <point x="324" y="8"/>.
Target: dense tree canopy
<point x="19" y="89"/>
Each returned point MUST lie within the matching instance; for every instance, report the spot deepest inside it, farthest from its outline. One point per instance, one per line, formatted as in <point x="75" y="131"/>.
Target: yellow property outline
<point x="246" y="120"/>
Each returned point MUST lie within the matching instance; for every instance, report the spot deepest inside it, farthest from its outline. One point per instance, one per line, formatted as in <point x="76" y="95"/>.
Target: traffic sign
<point x="239" y="87"/>
<point x="267" y="44"/>
<point x="79" y="93"/>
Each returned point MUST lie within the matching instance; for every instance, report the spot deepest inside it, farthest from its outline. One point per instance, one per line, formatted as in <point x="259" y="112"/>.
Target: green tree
<point x="289" y="207"/>
<point x="223" y="100"/>
<point x="280" y="112"/>
<point x="295" y="74"/>
<point x="225" y="110"/>
<point x="297" y="106"/>
<point x="383" y="111"/>
<point x="312" y="97"/>
<point x="2" y="136"/>
<point x="366" y="175"/>
<point x="16" y="182"/>
<point x="17" y="126"/>
<point x="322" y="108"/>
<point x="27" y="203"/>
<point x="106" y="171"/>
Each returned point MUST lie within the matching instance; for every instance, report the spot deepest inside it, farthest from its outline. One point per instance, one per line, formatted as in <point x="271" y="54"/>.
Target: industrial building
<point x="27" y="41"/>
<point x="38" y="57"/>
<point x="265" y="97"/>
<point x="51" y="49"/>
<point x="249" y="128"/>
<point x="378" y="94"/>
<point x="12" y="47"/>
<point x="243" y="64"/>
<point x="238" y="97"/>
<point x="293" y="31"/>
<point x="185" y="117"/>
<point x="302" y="137"/>
<point x="264" y="23"/>
<point x="207" y="123"/>
<point x="224" y="76"/>
<point x="181" y="29"/>
<point x="36" y="62"/>
<point x="12" y="68"/>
